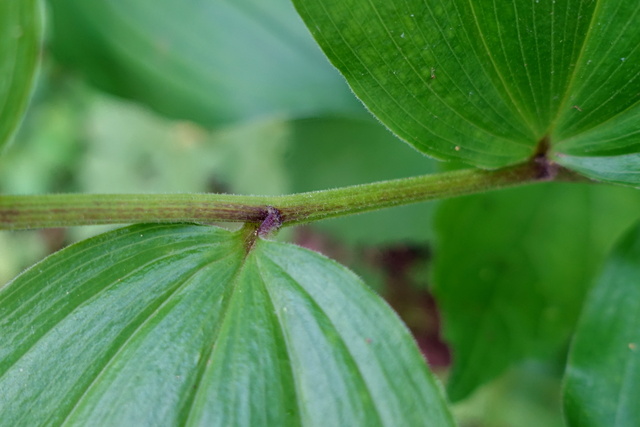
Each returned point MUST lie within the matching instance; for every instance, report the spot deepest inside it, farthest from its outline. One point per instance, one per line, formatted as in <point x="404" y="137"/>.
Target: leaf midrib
<point x="189" y="402"/>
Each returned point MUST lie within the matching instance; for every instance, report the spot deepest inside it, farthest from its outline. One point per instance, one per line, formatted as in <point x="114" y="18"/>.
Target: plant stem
<point x="61" y="210"/>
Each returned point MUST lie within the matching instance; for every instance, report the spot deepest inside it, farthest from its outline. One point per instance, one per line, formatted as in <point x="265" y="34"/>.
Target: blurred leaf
<point x="132" y="150"/>
<point x="129" y="149"/>
<point x="166" y="325"/>
<point x="251" y="158"/>
<point x="50" y="142"/>
<point x="485" y="83"/>
<point x="211" y="62"/>
<point x="20" y="37"/>
<point x="603" y="373"/>
<point x="511" y="270"/>
<point x="527" y="395"/>
<point x="328" y="153"/>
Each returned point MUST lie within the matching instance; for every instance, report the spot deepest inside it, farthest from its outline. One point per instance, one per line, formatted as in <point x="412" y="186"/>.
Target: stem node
<point x="271" y="222"/>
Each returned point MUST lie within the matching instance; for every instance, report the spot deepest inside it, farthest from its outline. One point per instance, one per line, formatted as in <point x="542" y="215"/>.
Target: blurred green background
<point x="218" y="96"/>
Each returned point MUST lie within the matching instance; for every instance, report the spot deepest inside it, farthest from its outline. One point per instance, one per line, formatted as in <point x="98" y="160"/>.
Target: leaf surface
<point x="511" y="270"/>
<point x="622" y="169"/>
<point x="603" y="372"/>
<point x="167" y="325"/>
<point x="210" y="62"/>
<point x="486" y="82"/>
<point x="20" y="34"/>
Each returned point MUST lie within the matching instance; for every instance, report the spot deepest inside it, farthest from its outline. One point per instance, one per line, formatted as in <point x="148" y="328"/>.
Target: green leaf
<point x="623" y="169"/>
<point x="211" y="62"/>
<point x="528" y="395"/>
<point x="511" y="270"/>
<point x="20" y="34"/>
<point x="172" y="325"/>
<point x="602" y="107"/>
<point x="603" y="373"/>
<point x="486" y="83"/>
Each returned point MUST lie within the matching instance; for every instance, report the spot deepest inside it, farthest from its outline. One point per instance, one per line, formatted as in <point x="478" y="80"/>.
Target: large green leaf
<point x="511" y="270"/>
<point x="20" y="33"/>
<point x="486" y="82"/>
<point x="212" y="62"/>
<point x="603" y="372"/>
<point x="173" y="325"/>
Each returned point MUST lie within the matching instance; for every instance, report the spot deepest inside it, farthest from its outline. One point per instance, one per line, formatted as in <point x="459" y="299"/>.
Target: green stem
<point x="61" y="210"/>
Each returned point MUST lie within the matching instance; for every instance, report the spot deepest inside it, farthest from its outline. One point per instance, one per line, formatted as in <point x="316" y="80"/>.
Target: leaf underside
<point x="172" y="325"/>
<point x="20" y="33"/>
<point x="485" y="82"/>
<point x="603" y="372"/>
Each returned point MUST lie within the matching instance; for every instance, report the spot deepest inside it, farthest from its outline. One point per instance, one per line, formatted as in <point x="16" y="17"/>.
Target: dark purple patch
<point x="546" y="169"/>
<point x="271" y="222"/>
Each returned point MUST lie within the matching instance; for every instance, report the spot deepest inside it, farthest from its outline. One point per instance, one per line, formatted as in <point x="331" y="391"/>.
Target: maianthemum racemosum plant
<point x="177" y="322"/>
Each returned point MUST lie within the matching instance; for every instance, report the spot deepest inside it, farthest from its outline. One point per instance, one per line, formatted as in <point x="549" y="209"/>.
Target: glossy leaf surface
<point x="211" y="62"/>
<point x="167" y="325"/>
<point x="511" y="270"/>
<point x="603" y="373"/>
<point x="20" y="33"/>
<point x="485" y="82"/>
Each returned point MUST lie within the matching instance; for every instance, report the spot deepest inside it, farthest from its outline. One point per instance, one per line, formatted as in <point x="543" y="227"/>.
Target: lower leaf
<point x="166" y="325"/>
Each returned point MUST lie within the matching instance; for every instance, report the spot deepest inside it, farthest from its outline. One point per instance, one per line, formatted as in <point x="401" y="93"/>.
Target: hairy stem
<point x="61" y="210"/>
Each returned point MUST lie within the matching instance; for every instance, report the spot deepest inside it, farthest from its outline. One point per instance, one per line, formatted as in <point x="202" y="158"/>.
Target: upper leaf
<point x="173" y="325"/>
<point x="485" y="82"/>
<point x="210" y="62"/>
<point x="20" y="34"/>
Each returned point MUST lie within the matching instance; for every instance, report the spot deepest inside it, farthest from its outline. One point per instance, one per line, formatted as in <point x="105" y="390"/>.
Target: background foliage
<point x="248" y="104"/>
